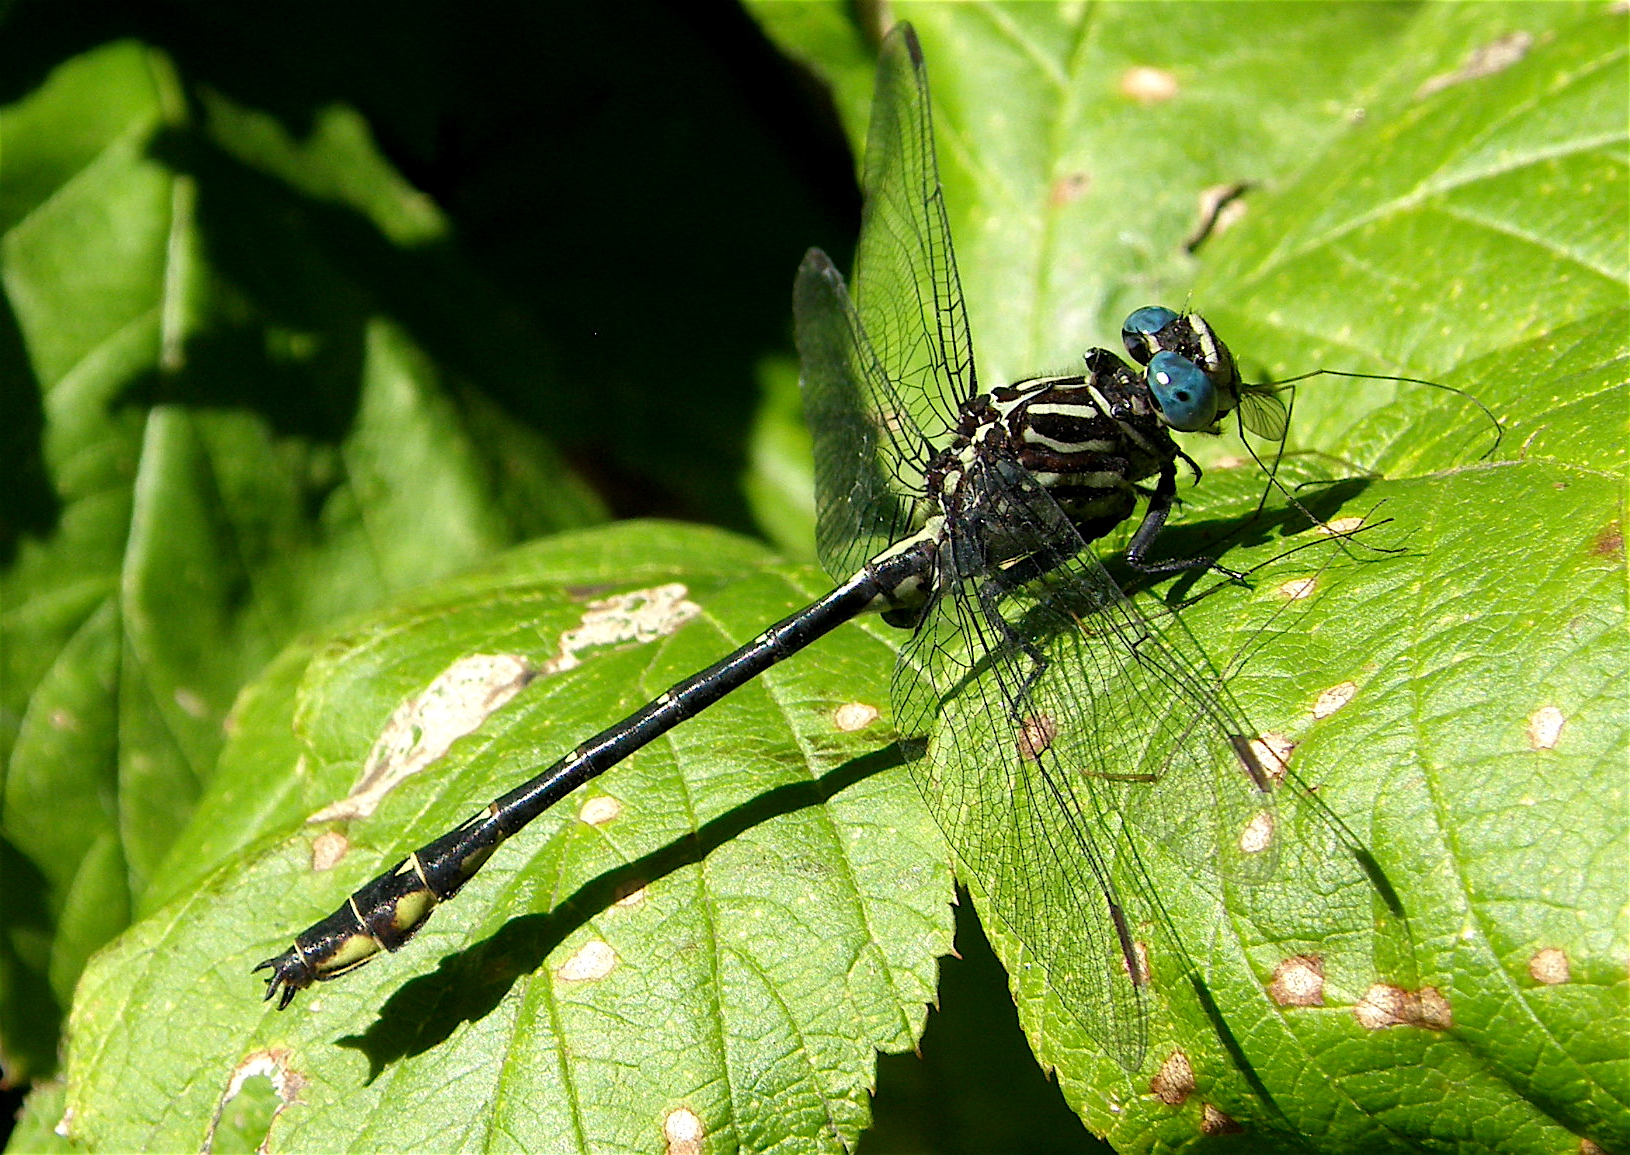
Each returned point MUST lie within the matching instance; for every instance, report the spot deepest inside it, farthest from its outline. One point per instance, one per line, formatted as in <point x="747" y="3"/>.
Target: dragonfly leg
<point x="1161" y="500"/>
<point x="990" y="595"/>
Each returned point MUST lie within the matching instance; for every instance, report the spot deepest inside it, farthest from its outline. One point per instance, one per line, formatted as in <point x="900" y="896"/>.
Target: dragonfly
<point x="966" y="517"/>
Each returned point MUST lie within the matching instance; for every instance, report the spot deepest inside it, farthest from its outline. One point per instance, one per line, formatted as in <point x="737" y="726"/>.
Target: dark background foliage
<point x="629" y="184"/>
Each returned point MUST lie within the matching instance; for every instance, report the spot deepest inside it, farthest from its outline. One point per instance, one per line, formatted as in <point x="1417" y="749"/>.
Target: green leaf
<point x="1438" y="193"/>
<point x="729" y="924"/>
<point x="780" y="483"/>
<point x="1449" y="232"/>
<point x="223" y="428"/>
<point x="37" y="1121"/>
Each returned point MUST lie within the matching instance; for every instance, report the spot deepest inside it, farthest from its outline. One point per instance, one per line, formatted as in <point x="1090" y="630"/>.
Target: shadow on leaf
<point x="469" y="984"/>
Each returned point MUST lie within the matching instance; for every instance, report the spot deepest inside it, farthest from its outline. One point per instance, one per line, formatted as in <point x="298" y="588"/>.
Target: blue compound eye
<point x="1149" y="319"/>
<point x="1138" y="333"/>
<point x="1186" y="396"/>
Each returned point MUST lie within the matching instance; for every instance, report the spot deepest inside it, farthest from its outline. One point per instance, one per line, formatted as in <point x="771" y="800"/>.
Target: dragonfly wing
<point x="1018" y="827"/>
<point x="906" y="288"/>
<point x="887" y="361"/>
<point x="1023" y="830"/>
<point x="869" y="457"/>
<point x="1064" y="733"/>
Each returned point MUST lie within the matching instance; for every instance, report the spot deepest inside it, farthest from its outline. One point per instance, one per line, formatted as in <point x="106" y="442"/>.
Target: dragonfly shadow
<point x="469" y="984"/>
<point x="1231" y="1044"/>
<point x="1216" y="537"/>
<point x="1200" y="539"/>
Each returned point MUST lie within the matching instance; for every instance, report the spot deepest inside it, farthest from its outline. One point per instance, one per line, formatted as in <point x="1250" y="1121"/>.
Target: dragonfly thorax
<point x="1087" y="439"/>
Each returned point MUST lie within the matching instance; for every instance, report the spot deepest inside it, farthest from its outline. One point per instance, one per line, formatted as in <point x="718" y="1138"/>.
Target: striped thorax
<point x="1088" y="439"/>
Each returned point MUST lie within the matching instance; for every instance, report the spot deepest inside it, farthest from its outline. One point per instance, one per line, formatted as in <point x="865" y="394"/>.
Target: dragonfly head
<point x="1192" y="376"/>
<point x="1189" y="371"/>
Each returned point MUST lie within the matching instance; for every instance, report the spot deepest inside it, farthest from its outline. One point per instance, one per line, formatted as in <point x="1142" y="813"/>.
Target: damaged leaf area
<point x="424" y="727"/>
<point x="260" y="1089"/>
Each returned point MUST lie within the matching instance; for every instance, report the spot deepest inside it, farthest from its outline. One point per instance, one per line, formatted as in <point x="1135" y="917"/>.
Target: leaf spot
<point x="1222" y="206"/>
<point x="1485" y="60"/>
<point x="190" y="702"/>
<point x="852" y="716"/>
<point x="593" y="960"/>
<point x="1545" y="727"/>
<point x="1389" y="1006"/>
<point x="1341" y="525"/>
<point x="682" y="1130"/>
<point x="630" y="894"/>
<point x="1334" y="699"/>
<point x="1174" y="1082"/>
<point x="1070" y="187"/>
<point x="329" y="849"/>
<point x="1148" y="85"/>
<point x="600" y="809"/>
<point x="1214" y="1122"/>
<point x="271" y="1065"/>
<point x="1297" y="588"/>
<point x="1298" y="982"/>
<point x="1272" y="752"/>
<point x="1036" y="734"/>
<point x="424" y="727"/>
<point x="637" y="616"/>
<point x="1550" y="966"/>
<point x="1140" y="958"/>
<point x="1258" y="833"/>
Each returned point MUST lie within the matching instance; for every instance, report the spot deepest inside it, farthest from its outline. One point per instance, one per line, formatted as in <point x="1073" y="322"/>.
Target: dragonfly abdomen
<point x="387" y="912"/>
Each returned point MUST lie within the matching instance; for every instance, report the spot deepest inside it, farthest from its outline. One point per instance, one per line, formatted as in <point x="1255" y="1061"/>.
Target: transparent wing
<point x="869" y="456"/>
<point x="1068" y="734"/>
<point x="1262" y="411"/>
<point x="1020" y="831"/>
<point x="886" y="364"/>
<point x="906" y="289"/>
